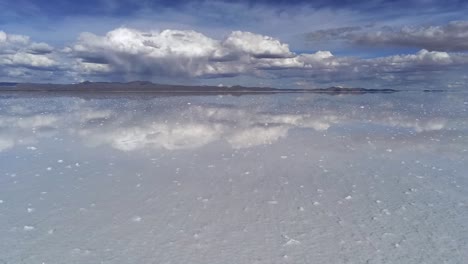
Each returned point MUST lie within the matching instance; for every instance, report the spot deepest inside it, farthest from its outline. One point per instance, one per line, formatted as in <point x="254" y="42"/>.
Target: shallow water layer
<point x="297" y="178"/>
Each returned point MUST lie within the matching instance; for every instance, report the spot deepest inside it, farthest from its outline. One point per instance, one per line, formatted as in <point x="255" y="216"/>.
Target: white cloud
<point x="130" y="54"/>
<point x="420" y="66"/>
<point x="323" y="60"/>
<point x="20" y="58"/>
<point x="258" y="46"/>
<point x="188" y="53"/>
<point x="12" y="39"/>
<point x="139" y="54"/>
<point x="278" y="63"/>
<point x="153" y="44"/>
<point x="422" y="57"/>
<point x="3" y="37"/>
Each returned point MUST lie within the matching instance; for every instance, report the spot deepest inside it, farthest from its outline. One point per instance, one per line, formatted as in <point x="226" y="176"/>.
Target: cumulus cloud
<point x="27" y="60"/>
<point x="421" y="58"/>
<point x="40" y="48"/>
<point x="428" y="69"/>
<point x="131" y="54"/>
<point x="258" y="46"/>
<point x="406" y="69"/>
<point x="179" y="52"/>
<point x="20" y="58"/>
<point x="140" y="54"/>
<point x="11" y="40"/>
<point x="188" y="53"/>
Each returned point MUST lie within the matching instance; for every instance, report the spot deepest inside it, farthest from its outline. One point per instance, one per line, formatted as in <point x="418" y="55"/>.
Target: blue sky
<point x="415" y="43"/>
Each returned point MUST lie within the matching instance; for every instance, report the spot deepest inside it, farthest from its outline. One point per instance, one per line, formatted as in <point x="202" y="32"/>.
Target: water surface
<point x="287" y="178"/>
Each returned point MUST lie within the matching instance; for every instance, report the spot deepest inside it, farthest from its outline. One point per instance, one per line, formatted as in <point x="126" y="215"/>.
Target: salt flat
<point x="285" y="178"/>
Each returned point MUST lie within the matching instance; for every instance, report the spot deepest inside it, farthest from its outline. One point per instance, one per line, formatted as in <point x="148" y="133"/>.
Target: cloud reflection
<point x="158" y="123"/>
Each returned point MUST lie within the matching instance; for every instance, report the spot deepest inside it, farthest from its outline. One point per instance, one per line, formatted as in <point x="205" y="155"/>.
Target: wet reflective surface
<point x="224" y="179"/>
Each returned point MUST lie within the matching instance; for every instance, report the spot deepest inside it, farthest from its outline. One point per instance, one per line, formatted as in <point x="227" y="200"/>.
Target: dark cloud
<point x="40" y="48"/>
<point x="449" y="37"/>
<point x="331" y="34"/>
<point x="59" y="8"/>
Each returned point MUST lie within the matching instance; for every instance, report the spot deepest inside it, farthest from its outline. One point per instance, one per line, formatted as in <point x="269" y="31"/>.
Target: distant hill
<point x="149" y="87"/>
<point x="7" y="84"/>
<point x="341" y="90"/>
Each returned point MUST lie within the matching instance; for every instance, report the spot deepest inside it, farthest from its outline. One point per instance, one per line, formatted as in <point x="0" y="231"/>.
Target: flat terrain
<point x="280" y="178"/>
<point x="148" y="87"/>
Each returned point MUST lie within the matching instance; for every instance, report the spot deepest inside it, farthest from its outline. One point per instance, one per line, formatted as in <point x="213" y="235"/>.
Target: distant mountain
<point x="434" y="91"/>
<point x="149" y="87"/>
<point x="341" y="90"/>
<point x="7" y="84"/>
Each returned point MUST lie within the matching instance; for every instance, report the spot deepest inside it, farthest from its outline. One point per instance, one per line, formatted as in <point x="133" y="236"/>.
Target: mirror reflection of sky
<point x="224" y="179"/>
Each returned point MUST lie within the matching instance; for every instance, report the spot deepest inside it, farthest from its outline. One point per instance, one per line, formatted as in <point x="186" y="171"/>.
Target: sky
<point x="411" y="44"/>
